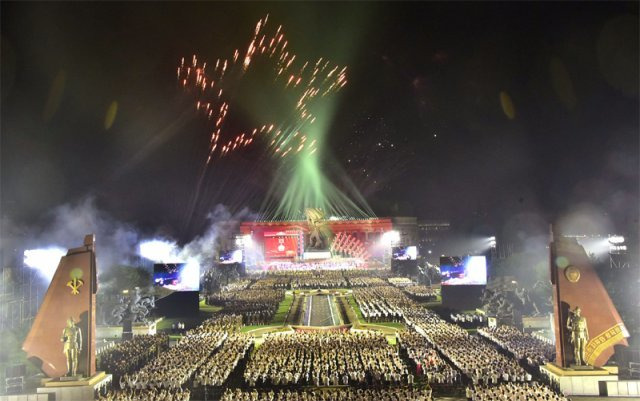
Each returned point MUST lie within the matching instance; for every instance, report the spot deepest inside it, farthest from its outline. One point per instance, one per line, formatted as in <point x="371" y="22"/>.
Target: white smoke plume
<point x="118" y="243"/>
<point x="222" y="225"/>
<point x="68" y="224"/>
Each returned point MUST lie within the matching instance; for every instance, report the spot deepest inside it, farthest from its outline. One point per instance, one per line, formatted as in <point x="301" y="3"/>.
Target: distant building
<point x="431" y="237"/>
<point x="407" y="228"/>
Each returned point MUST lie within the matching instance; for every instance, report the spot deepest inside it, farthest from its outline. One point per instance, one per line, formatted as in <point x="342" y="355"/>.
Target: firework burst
<point x="212" y="86"/>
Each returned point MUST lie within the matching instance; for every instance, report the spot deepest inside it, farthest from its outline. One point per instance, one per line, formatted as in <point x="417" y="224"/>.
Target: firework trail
<point x="212" y="86"/>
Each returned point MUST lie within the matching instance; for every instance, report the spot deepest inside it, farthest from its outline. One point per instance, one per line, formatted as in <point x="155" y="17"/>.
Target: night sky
<point x="486" y="114"/>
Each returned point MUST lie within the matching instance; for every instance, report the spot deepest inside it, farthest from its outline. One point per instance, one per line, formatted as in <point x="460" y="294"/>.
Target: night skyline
<point x="498" y="113"/>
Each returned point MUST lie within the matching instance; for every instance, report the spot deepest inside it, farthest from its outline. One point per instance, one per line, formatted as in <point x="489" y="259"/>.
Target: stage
<point x="340" y="244"/>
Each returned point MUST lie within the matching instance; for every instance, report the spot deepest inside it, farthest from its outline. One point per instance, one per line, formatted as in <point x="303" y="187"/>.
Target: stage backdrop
<point x="281" y="245"/>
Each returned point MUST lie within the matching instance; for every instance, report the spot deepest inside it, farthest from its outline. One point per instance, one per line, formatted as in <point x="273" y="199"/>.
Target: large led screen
<point x="177" y="276"/>
<point x="280" y="245"/>
<point x="470" y="270"/>
<point x="405" y="253"/>
<point x="231" y="257"/>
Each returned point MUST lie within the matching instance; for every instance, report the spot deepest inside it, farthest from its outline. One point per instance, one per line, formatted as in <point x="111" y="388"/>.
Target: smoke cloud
<point x="118" y="243"/>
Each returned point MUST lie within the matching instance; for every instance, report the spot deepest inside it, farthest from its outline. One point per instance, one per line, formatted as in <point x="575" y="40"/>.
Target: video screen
<point x="231" y="257"/>
<point x="280" y="245"/>
<point x="405" y="252"/>
<point x="470" y="270"/>
<point x="177" y="276"/>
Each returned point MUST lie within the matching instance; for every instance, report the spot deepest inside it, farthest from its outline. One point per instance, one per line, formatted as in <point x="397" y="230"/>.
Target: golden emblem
<point x="572" y="274"/>
<point x="75" y="284"/>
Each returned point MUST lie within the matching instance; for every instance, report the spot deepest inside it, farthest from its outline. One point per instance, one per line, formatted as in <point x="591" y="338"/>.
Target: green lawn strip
<point x="246" y="329"/>
<point x="283" y="309"/>
<point x="190" y="322"/>
<point x="335" y="311"/>
<point x="208" y="308"/>
<point x="356" y="308"/>
<point x="432" y="304"/>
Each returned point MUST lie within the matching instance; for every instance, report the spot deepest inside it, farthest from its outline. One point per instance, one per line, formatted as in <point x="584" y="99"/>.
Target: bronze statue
<point x="579" y="335"/>
<point x="72" y="338"/>
<point x="319" y="231"/>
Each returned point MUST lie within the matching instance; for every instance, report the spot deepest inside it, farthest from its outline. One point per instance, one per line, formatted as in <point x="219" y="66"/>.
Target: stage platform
<point x="623" y="388"/>
<point x="110" y="332"/>
<point x="25" y="397"/>
<point x="73" y="390"/>
<point x="580" y="380"/>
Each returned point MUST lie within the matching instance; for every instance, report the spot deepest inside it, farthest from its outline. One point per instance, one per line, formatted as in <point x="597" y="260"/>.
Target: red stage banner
<point x="281" y="245"/>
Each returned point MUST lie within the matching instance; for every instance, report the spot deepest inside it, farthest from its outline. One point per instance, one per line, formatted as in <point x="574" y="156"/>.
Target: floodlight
<point x="158" y="250"/>
<point x="391" y="237"/>
<point x="616" y="239"/>
<point x="44" y="260"/>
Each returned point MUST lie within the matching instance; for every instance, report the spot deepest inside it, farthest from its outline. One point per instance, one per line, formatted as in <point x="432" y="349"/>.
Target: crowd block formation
<point x="330" y="365"/>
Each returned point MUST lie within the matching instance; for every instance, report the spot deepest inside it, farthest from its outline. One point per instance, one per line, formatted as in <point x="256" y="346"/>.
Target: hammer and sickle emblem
<point x="75" y="284"/>
<point x="572" y="274"/>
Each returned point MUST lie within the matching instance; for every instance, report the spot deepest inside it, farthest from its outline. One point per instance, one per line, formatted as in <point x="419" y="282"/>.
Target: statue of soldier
<point x="577" y="324"/>
<point x="72" y="338"/>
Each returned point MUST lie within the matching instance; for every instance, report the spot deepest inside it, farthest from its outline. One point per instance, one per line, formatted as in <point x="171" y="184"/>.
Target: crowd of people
<point x="256" y="305"/>
<point x="362" y="364"/>
<point x="469" y="320"/>
<point x="384" y="303"/>
<point x="522" y="345"/>
<point x="339" y="394"/>
<point x="323" y="282"/>
<point x="236" y="286"/>
<point x="321" y="279"/>
<point x="421" y="292"/>
<point x="320" y="265"/>
<point x="216" y="370"/>
<point x="428" y="362"/>
<point x="513" y="392"/>
<point x="272" y="281"/>
<point x="129" y="356"/>
<point x="473" y="356"/>
<point x="375" y="308"/>
<point x="171" y="369"/>
<point x="325" y="359"/>
<point x="163" y="378"/>
<point x="151" y="394"/>
<point x="366" y="282"/>
<point x="400" y="281"/>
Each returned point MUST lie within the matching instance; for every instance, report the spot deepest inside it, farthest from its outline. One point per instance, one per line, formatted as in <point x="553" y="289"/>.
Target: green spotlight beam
<point x="303" y="183"/>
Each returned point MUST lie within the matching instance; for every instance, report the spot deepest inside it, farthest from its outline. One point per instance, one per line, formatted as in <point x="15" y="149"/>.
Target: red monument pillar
<point x="71" y="295"/>
<point x="576" y="284"/>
